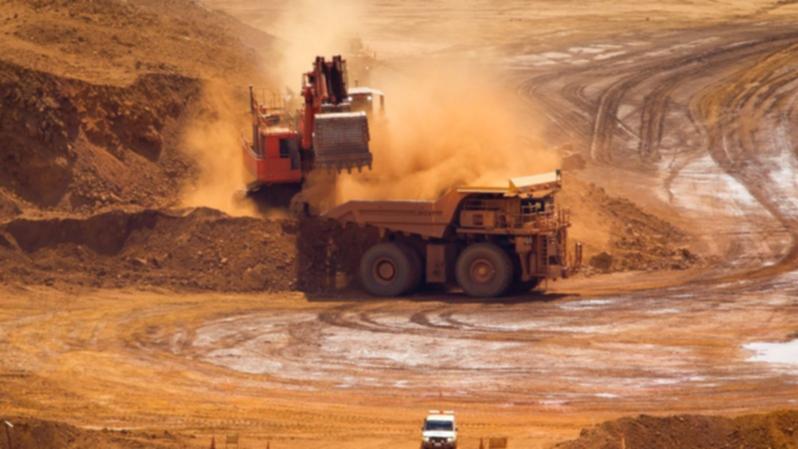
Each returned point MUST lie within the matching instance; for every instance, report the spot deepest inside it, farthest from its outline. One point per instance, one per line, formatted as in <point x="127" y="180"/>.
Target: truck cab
<point x="439" y="431"/>
<point x="367" y="99"/>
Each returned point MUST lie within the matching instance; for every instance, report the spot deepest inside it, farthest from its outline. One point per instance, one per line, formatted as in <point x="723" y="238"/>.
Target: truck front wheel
<point x="484" y="270"/>
<point x="386" y="269"/>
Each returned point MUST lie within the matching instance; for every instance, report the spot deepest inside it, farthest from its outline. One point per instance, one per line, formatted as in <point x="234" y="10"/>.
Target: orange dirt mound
<point x="620" y="236"/>
<point x="193" y="249"/>
<point x="773" y="431"/>
<point x="30" y="433"/>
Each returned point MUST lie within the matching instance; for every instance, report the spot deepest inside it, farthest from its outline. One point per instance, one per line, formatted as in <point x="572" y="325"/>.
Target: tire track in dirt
<point x="655" y="105"/>
<point x="665" y="76"/>
<point x="733" y="113"/>
<point x="230" y="362"/>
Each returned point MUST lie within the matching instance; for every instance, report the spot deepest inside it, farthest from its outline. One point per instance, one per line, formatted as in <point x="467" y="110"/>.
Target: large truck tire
<point x="386" y="269"/>
<point x="484" y="270"/>
<point x="416" y="265"/>
<point x="520" y="286"/>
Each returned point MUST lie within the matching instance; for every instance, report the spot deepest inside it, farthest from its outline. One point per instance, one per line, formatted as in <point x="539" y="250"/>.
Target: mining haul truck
<point x="330" y="131"/>
<point x="489" y="241"/>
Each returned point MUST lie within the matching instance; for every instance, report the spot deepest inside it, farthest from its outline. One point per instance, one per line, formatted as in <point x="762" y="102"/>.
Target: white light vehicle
<point x="439" y="431"/>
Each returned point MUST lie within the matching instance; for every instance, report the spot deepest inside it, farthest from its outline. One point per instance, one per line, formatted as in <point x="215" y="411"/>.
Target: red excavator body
<point x="276" y="158"/>
<point x="325" y="133"/>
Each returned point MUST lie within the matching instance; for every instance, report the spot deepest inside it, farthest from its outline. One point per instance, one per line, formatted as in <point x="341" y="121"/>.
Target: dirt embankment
<point x="96" y="95"/>
<point x="620" y="236"/>
<point x="196" y="249"/>
<point x="199" y="249"/>
<point x="115" y="41"/>
<point x="30" y="433"/>
<point x="71" y="145"/>
<point x="772" y="431"/>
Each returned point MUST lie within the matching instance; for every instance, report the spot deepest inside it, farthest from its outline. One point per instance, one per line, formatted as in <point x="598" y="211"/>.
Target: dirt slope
<point x="618" y="235"/>
<point x="198" y="248"/>
<point x="183" y="249"/>
<point x="30" y="433"/>
<point x="114" y="42"/>
<point x="773" y="431"/>
<point x="73" y="145"/>
<point x="96" y="96"/>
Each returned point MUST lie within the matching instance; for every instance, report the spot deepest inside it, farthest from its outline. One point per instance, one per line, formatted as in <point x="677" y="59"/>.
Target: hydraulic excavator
<point x="327" y="132"/>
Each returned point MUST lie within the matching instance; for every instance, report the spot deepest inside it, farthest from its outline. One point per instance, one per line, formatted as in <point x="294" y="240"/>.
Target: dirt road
<point x="285" y="367"/>
<point x="691" y="118"/>
<point x="701" y="123"/>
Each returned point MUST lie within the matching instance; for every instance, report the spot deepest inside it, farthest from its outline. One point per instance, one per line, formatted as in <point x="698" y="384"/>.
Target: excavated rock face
<point x="37" y="125"/>
<point x="64" y="141"/>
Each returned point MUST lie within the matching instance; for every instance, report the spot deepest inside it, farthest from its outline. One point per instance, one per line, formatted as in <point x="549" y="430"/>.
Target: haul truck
<point x="489" y="241"/>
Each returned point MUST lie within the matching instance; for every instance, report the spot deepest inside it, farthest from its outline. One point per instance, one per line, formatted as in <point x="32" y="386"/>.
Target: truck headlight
<point x="449" y="440"/>
<point x="425" y="439"/>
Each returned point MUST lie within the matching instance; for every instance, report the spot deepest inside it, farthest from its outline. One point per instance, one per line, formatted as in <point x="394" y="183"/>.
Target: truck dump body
<point x="428" y="219"/>
<point x="484" y="237"/>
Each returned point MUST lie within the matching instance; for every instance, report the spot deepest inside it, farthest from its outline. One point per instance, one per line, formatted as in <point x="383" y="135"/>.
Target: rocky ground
<point x="620" y="236"/>
<point x="187" y="249"/>
<point x="777" y="430"/>
<point x="29" y="433"/>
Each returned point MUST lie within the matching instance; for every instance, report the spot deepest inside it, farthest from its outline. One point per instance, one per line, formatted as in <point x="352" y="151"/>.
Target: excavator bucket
<point x="341" y="141"/>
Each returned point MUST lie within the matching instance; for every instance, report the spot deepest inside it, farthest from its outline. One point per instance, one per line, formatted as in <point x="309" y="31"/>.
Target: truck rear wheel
<point x="386" y="269"/>
<point x="484" y="270"/>
<point x="416" y="266"/>
<point x="525" y="286"/>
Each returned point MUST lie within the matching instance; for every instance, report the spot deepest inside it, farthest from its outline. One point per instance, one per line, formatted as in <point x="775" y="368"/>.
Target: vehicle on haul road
<point x="439" y="431"/>
<point x="490" y="241"/>
<point x="330" y="131"/>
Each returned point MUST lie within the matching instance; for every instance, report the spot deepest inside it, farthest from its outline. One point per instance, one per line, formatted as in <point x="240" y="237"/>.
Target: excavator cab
<point x="274" y="157"/>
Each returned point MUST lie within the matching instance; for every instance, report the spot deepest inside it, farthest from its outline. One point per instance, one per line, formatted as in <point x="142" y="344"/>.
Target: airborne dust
<point x="213" y="139"/>
<point x="449" y="121"/>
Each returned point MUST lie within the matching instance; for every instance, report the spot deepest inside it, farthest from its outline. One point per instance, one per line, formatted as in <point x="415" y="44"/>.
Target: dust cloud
<point x="213" y="139"/>
<point x="448" y="121"/>
<point x="310" y="28"/>
<point x="447" y="124"/>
